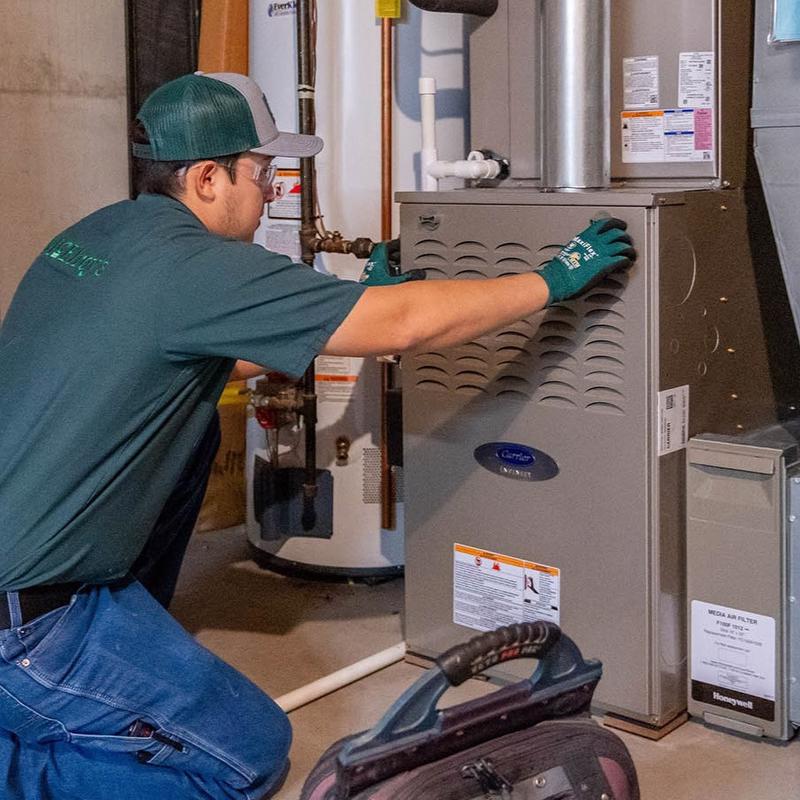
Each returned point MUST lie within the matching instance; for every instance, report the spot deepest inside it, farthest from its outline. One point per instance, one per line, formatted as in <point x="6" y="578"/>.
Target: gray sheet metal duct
<point x="480" y="8"/>
<point x="576" y="48"/>
<point x="776" y="120"/>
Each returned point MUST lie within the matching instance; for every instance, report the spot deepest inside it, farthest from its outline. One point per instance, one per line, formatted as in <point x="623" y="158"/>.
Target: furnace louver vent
<point x="571" y="356"/>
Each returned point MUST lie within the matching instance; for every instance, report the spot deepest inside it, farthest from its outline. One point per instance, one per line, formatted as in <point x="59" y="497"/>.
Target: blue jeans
<point x="75" y="682"/>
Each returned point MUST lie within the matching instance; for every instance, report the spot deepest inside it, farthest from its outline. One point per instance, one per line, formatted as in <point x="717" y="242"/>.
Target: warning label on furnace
<point x="491" y="589"/>
<point x="733" y="659"/>
<point x="667" y="135"/>
<point x="673" y="419"/>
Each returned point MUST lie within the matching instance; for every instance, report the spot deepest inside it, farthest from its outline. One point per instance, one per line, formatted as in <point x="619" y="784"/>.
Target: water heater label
<point x="286" y="204"/>
<point x="336" y="377"/>
<point x="492" y="589"/>
<point x="673" y="419"/>
<point x="733" y="659"/>
<point x="640" y="82"/>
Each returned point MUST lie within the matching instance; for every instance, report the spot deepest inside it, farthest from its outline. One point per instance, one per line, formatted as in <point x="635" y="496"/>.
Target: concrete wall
<point x="63" y="108"/>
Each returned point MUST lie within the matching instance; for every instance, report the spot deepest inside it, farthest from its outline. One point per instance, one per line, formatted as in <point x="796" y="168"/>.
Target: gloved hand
<point x="588" y="258"/>
<point x="383" y="266"/>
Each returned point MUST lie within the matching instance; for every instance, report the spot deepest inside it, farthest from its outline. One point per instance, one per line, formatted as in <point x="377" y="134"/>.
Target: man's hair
<point x="162" y="177"/>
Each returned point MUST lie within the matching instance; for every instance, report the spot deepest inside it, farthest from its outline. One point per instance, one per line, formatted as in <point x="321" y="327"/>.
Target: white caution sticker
<point x="286" y="204"/>
<point x="492" y="589"/>
<point x="336" y="377"/>
<point x="673" y="419"/>
<point x="640" y="82"/>
<point x="733" y="659"/>
<point x="696" y="80"/>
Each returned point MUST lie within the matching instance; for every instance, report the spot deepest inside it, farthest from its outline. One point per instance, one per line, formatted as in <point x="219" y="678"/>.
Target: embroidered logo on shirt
<point x="76" y="257"/>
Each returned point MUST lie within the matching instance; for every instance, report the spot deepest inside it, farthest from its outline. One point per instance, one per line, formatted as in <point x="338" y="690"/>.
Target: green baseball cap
<point x="207" y="115"/>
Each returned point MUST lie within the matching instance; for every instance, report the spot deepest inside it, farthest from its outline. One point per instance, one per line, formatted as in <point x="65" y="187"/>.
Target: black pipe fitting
<point x="480" y="8"/>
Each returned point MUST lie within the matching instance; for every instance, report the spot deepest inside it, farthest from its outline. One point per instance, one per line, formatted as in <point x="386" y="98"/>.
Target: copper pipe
<point x="388" y="492"/>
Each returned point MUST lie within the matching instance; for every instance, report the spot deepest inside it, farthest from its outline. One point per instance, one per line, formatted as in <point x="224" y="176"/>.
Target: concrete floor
<point x="283" y="633"/>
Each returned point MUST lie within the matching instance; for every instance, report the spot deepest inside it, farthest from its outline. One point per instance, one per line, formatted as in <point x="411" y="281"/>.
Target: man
<point x="114" y="352"/>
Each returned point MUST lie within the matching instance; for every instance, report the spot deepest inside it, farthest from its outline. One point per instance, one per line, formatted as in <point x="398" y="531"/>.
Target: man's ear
<point x="203" y="180"/>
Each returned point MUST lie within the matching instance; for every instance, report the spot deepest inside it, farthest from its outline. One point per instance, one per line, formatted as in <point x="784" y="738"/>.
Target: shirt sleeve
<point x="238" y="300"/>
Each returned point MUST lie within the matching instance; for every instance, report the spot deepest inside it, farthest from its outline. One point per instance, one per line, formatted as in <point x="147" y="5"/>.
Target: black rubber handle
<point x="523" y="640"/>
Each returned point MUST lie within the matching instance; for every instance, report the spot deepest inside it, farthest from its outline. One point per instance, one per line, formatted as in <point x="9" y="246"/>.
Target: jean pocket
<point x="36" y="633"/>
<point x="28" y="724"/>
<point x="147" y="749"/>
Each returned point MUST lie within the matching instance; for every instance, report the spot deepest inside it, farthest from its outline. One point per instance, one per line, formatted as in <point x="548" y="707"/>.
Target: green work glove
<point x="383" y="266"/>
<point x="587" y="259"/>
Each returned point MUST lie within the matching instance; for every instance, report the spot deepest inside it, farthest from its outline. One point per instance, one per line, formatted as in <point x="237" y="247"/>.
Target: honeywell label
<point x="640" y="81"/>
<point x="733" y="659"/>
<point x="492" y="589"/>
<point x="673" y="419"/>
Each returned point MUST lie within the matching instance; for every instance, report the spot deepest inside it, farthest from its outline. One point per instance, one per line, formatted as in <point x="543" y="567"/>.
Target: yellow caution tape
<point x="387" y="9"/>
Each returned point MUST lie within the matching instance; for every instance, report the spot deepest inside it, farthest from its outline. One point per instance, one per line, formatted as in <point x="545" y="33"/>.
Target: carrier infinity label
<point x="517" y="461"/>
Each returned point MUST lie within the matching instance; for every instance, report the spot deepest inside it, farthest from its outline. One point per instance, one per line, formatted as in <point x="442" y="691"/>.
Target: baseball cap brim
<point x="291" y="145"/>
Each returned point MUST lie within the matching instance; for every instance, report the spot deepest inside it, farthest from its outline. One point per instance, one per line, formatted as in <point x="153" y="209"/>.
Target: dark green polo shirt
<point x="113" y="354"/>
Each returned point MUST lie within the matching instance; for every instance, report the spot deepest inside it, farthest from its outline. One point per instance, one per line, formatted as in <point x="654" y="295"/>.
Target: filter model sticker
<point x="733" y="659"/>
<point x="696" y="80"/>
<point x="667" y="135"/>
<point x="673" y="419"/>
<point x="336" y="377"/>
<point x="640" y="82"/>
<point x="286" y="204"/>
<point x="491" y="589"/>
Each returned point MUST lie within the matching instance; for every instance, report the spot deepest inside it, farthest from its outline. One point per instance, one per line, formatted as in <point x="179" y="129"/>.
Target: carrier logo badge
<point x="517" y="461"/>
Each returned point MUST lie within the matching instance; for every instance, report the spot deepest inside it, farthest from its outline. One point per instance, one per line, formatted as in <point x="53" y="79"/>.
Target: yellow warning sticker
<point x="387" y="9"/>
<point x="493" y="589"/>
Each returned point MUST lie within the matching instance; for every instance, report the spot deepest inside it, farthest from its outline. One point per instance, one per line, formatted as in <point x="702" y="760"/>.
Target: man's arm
<point x="432" y="314"/>
<point x="420" y="315"/>
<point x="242" y="370"/>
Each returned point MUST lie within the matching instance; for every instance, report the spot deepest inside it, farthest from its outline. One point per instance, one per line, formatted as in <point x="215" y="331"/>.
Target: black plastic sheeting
<point x="162" y="42"/>
<point x="481" y="8"/>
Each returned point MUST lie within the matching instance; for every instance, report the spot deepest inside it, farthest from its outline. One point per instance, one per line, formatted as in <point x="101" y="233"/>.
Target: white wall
<point x="64" y="114"/>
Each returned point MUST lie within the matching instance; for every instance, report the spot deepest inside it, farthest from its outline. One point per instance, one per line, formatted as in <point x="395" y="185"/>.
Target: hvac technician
<point x="113" y="354"/>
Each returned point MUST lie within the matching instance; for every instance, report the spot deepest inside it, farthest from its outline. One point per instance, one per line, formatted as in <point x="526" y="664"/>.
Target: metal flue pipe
<point x="576" y="69"/>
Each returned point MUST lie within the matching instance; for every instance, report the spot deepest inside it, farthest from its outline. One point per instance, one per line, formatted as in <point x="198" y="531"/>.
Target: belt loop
<point x="14" y="609"/>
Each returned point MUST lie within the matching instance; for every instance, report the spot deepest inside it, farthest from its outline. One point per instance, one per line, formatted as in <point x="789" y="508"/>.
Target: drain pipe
<point x="341" y="678"/>
<point x="307" y="123"/>
<point x="388" y="490"/>
<point x="429" y="154"/>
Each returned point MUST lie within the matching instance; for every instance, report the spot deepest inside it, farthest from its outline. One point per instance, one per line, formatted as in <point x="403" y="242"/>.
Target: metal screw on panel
<point x="723" y="299"/>
<point x="539" y="782"/>
<point x="792" y="518"/>
<point x="740" y="427"/>
<point x="723" y="208"/>
<point x="730" y="349"/>
<point x="734" y="396"/>
<point x="725" y="184"/>
<point x="795" y="480"/>
<point x="605" y="796"/>
<point x="792" y="599"/>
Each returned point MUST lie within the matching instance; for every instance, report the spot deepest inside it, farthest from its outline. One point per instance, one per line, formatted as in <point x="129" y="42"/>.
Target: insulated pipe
<point x="576" y="67"/>
<point x="481" y="8"/>
<point x="388" y="492"/>
<point x="343" y="677"/>
<point x="429" y="155"/>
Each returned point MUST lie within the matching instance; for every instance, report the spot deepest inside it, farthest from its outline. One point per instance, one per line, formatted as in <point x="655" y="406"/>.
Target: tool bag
<point x="532" y="740"/>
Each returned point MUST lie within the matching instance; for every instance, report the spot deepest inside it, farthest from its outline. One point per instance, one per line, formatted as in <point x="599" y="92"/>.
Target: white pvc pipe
<point x="474" y="168"/>
<point x="342" y="677"/>
<point x="429" y="154"/>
